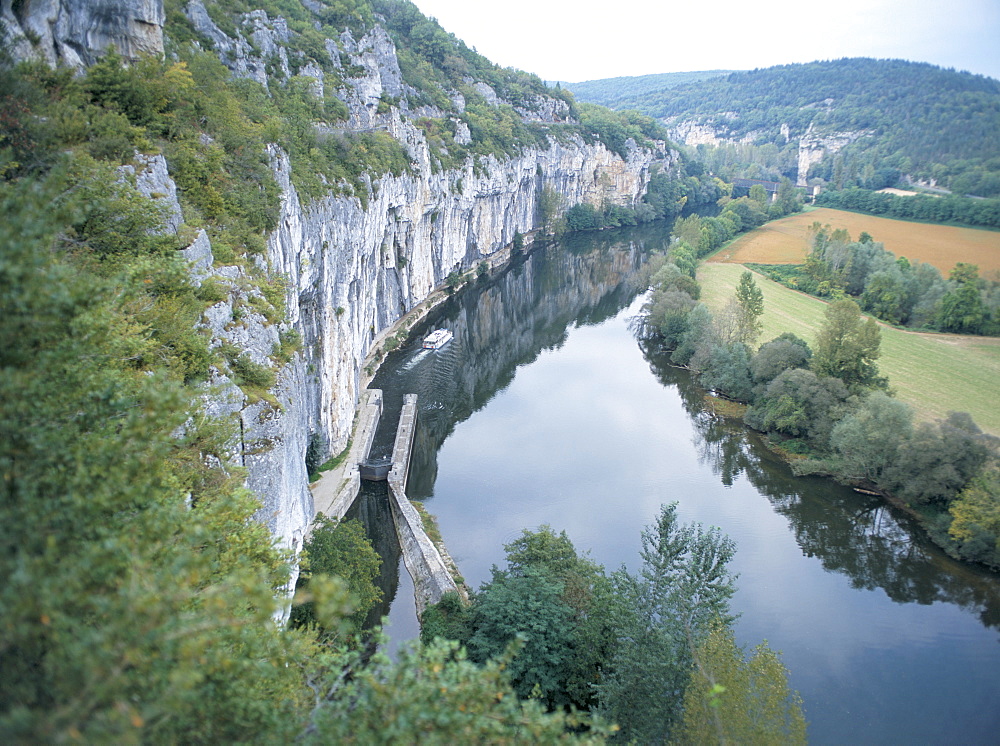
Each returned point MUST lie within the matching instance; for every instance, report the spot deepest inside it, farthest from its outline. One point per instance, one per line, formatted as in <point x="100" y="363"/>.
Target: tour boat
<point x="437" y="339"/>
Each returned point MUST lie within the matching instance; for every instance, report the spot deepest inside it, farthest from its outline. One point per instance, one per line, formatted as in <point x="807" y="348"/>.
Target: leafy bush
<point x="250" y="373"/>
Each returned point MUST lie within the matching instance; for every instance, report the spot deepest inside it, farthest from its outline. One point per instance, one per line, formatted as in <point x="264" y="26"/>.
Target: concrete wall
<point x="431" y="579"/>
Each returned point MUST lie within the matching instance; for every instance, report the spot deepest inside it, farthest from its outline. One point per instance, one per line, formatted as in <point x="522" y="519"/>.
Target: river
<point x="546" y="410"/>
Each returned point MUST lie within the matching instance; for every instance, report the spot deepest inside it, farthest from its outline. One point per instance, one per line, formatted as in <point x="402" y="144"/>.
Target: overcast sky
<point x="580" y="40"/>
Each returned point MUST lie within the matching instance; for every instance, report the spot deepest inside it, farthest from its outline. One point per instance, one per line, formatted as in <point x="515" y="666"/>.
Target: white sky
<point x="588" y="39"/>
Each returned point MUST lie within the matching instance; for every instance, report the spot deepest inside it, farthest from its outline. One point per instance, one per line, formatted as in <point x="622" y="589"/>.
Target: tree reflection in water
<point x="876" y="545"/>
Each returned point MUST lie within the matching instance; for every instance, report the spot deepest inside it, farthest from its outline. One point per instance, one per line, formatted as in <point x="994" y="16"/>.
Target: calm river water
<point x="545" y="410"/>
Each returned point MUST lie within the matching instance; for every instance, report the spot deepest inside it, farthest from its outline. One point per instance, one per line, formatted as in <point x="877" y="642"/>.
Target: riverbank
<point x="926" y="519"/>
<point x="337" y="488"/>
<point x="545" y="410"/>
<point x="934" y="373"/>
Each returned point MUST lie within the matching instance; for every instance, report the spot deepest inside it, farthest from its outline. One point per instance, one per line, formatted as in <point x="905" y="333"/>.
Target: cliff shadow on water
<point x="503" y="322"/>
<point x="500" y="322"/>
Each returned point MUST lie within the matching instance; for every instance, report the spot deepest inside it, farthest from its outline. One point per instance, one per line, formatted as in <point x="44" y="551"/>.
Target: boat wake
<point x="421" y="355"/>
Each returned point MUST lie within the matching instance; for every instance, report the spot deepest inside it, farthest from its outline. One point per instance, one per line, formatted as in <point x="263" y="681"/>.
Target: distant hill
<point x="623" y="93"/>
<point x="851" y="121"/>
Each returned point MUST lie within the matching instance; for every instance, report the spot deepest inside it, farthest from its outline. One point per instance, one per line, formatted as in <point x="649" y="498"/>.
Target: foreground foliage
<point x="435" y="695"/>
<point x="338" y="548"/>
<point x="624" y="646"/>
<point x="140" y="597"/>
<point x="735" y="699"/>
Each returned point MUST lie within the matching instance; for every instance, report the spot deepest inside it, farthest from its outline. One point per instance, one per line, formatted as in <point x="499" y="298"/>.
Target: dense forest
<point x="621" y="93"/>
<point x="897" y="120"/>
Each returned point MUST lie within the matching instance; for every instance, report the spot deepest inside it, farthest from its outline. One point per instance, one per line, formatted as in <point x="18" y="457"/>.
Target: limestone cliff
<point x="353" y="266"/>
<point x="354" y="271"/>
<point x="813" y="145"/>
<point x="78" y="32"/>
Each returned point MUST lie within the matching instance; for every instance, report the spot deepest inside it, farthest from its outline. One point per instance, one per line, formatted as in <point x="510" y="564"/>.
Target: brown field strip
<point x="934" y="373"/>
<point x="786" y="241"/>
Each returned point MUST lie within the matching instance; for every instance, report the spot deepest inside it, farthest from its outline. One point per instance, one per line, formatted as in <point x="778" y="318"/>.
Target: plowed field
<point x="786" y="241"/>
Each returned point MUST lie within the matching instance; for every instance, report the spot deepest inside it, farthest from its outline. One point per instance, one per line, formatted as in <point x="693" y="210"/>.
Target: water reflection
<point x="372" y="509"/>
<point x="503" y="324"/>
<point x="500" y="324"/>
<point x="544" y="409"/>
<point x="875" y="544"/>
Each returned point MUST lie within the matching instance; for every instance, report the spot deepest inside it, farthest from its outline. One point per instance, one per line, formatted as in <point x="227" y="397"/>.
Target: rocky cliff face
<point x="813" y="146"/>
<point x="355" y="271"/>
<point x="78" y="32"/>
<point x="353" y="267"/>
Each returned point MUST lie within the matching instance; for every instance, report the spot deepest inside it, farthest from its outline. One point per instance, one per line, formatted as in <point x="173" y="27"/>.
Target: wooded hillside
<point x="905" y="118"/>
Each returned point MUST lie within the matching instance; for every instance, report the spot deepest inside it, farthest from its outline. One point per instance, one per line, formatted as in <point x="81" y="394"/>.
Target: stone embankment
<point x="431" y="579"/>
<point x="337" y="490"/>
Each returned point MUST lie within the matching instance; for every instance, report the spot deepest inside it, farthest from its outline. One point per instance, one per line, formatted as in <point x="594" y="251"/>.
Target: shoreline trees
<point x="830" y="405"/>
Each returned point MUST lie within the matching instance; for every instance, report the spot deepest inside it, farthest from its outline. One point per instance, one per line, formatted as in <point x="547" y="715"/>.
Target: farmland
<point x="934" y="373"/>
<point x="786" y="241"/>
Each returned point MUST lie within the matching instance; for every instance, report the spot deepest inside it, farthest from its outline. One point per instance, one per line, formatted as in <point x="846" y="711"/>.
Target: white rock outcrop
<point x="77" y="32"/>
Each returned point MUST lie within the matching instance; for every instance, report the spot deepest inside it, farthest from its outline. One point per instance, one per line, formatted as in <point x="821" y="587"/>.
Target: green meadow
<point x="934" y="373"/>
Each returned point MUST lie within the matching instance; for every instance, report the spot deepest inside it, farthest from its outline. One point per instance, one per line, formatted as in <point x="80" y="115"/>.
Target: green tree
<point x="528" y="606"/>
<point x="885" y="296"/>
<point x="450" y="619"/>
<point x="688" y="230"/>
<point x="847" y="347"/>
<point x="751" y="303"/>
<point x="975" y="525"/>
<point x="867" y="441"/>
<point x="559" y="602"/>
<point x="962" y="309"/>
<point x="550" y="204"/>
<point x="339" y="548"/>
<point x="663" y="614"/>
<point x="669" y="310"/>
<point x="684" y="257"/>
<point x="433" y="695"/>
<point x="583" y="217"/>
<point x="788" y="199"/>
<point x="739" y="700"/>
<point x="939" y="460"/>
<point x="697" y="334"/>
<point x="800" y="404"/>
<point x="759" y="195"/>
<point x="780" y="354"/>
<point x="726" y="370"/>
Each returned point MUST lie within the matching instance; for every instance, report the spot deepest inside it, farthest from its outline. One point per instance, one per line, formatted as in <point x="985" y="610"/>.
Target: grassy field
<point x="935" y="373"/>
<point x="786" y="241"/>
